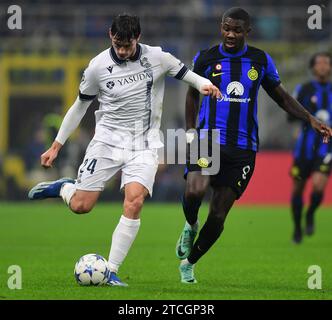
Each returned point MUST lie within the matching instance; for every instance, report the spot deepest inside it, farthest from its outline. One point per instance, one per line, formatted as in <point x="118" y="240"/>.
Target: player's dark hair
<point x="126" y="27"/>
<point x="312" y="60"/>
<point x="237" y="13"/>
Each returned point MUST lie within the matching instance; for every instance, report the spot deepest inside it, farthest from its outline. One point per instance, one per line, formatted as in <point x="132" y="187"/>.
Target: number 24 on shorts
<point x="90" y="167"/>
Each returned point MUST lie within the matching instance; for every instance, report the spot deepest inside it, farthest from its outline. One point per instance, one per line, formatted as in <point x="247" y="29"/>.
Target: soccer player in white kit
<point x="129" y="80"/>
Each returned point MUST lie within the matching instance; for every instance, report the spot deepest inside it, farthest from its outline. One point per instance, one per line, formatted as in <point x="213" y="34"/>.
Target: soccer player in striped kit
<point x="311" y="156"/>
<point x="238" y="70"/>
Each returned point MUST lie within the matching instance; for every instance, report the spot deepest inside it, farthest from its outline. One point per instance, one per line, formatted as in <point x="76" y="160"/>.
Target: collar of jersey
<point x="237" y="54"/>
<point x="135" y="57"/>
<point x="321" y="85"/>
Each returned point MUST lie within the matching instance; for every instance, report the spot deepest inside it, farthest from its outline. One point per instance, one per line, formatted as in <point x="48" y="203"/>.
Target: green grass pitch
<point x="254" y="258"/>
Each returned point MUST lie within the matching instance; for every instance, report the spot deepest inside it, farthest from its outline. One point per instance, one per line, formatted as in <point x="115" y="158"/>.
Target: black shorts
<point x="303" y="168"/>
<point x="236" y="167"/>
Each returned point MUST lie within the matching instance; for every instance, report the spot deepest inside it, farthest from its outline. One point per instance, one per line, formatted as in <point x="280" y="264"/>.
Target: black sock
<point x="316" y="199"/>
<point x="190" y="209"/>
<point x="208" y="235"/>
<point x="297" y="206"/>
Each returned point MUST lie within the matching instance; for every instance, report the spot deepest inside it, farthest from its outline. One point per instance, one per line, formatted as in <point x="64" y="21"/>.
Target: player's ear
<point x="110" y="33"/>
<point x="138" y="38"/>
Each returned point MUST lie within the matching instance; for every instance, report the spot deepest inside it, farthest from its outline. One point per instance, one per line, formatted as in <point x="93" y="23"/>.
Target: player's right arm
<point x="88" y="91"/>
<point x="294" y="108"/>
<point x="192" y="100"/>
<point x="272" y="85"/>
<point x="192" y="107"/>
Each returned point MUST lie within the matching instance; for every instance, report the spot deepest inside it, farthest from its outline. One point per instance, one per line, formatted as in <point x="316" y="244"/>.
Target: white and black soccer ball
<point x="91" y="269"/>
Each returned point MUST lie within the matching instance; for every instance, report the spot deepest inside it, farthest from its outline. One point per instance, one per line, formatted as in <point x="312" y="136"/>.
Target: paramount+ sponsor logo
<point x="234" y="91"/>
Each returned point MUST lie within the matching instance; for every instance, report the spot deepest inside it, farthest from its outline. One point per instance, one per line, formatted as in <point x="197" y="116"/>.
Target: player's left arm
<point x="280" y="95"/>
<point x="203" y="85"/>
<point x="272" y="85"/>
<point x="175" y="68"/>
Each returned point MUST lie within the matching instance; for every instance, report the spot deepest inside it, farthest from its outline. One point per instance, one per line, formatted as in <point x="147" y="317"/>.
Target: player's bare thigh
<point x="83" y="201"/>
<point x="135" y="194"/>
<point x="319" y="181"/>
<point x="197" y="184"/>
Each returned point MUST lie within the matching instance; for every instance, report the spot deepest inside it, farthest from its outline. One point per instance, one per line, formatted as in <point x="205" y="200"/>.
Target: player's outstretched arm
<point x="70" y="122"/>
<point x="295" y="109"/>
<point x="203" y="85"/>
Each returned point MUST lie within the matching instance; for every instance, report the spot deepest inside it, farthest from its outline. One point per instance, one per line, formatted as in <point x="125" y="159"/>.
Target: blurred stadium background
<point x="42" y="64"/>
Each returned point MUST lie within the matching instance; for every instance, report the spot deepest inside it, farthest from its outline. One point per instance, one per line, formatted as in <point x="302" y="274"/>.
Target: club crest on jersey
<point x="252" y="74"/>
<point x="203" y="162"/>
<point x="235" y="88"/>
<point x="110" y="85"/>
<point x="145" y="63"/>
<point x="218" y="67"/>
<point x="313" y="99"/>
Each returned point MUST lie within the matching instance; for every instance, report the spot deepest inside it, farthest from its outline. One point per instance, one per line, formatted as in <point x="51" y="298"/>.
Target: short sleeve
<point x="297" y="91"/>
<point x="173" y="66"/>
<point x="197" y="65"/>
<point x="300" y="95"/>
<point x="271" y="77"/>
<point x="89" y="85"/>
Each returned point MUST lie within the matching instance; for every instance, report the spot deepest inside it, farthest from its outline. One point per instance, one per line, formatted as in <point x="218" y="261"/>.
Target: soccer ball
<point x="91" y="269"/>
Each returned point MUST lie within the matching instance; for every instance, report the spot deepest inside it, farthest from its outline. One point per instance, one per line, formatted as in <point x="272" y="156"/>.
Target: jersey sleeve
<point x="173" y="67"/>
<point x="271" y="77"/>
<point x="89" y="85"/>
<point x="299" y="95"/>
<point x="197" y="65"/>
<point x="296" y="92"/>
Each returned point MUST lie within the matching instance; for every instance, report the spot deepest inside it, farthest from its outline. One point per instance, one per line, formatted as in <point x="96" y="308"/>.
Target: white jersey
<point x="130" y="93"/>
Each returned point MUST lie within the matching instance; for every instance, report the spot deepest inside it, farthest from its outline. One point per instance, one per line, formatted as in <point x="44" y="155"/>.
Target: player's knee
<point x="81" y="207"/>
<point x="193" y="193"/>
<point x="133" y="205"/>
<point x="318" y="189"/>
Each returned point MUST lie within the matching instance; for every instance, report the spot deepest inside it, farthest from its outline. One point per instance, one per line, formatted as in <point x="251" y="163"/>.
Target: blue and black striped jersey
<point x="315" y="97"/>
<point x="238" y="76"/>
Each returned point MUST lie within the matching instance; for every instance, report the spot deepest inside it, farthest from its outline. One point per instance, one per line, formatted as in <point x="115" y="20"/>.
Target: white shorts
<point x="102" y="162"/>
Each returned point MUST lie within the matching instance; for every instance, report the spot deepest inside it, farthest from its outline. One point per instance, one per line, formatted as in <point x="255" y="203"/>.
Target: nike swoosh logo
<point x="217" y="74"/>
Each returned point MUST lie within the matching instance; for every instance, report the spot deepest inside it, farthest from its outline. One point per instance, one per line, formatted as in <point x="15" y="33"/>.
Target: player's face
<point x="234" y="33"/>
<point x="124" y="49"/>
<point x="322" y="67"/>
